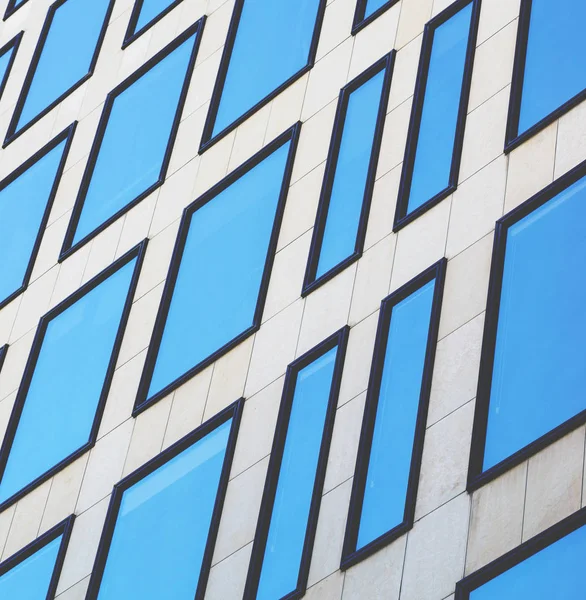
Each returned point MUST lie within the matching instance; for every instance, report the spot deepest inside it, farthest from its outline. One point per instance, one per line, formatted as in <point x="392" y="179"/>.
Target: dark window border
<point x="360" y="21"/>
<point x="67" y="248"/>
<point x="310" y="283"/>
<point x="137" y="252"/>
<point x="234" y="411"/>
<point x="131" y="32"/>
<point x="339" y="340"/>
<point x="64" y="528"/>
<point x="207" y="141"/>
<point x="12" y="133"/>
<point x="142" y="400"/>
<point x="11" y="8"/>
<point x="402" y="216"/>
<point x="351" y="555"/>
<point x="476" y="476"/>
<point x="11" y="46"/>
<point x="519" y="554"/>
<point x="3" y="352"/>
<point x="67" y="134"/>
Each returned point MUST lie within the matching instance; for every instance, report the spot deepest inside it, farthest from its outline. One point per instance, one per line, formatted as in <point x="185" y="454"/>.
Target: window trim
<point x="350" y="554"/>
<point x="234" y="412"/>
<point x="476" y="476"/>
<point x="11" y="132"/>
<point x="137" y="253"/>
<point x="11" y="8"/>
<point x="67" y="136"/>
<point x="63" y="528"/>
<point x="340" y="340"/>
<point x="360" y="21"/>
<point x="402" y="215"/>
<point x="142" y="400"/>
<point x="3" y="352"/>
<point x="207" y="138"/>
<point x="132" y="33"/>
<point x="310" y="283"/>
<point x="11" y="46"/>
<point x="69" y="247"/>
<point x="517" y="555"/>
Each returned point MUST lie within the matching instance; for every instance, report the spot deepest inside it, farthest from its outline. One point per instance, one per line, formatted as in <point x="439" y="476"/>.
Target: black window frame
<point x="234" y="412"/>
<point x="11" y="8"/>
<point x="337" y="340"/>
<point x="11" y="46"/>
<point x="350" y="554"/>
<point x="132" y="33"/>
<point x="476" y="476"/>
<point x="3" y="352"/>
<point x="310" y="283"/>
<point x="66" y="135"/>
<point x="360" y="21"/>
<point x="402" y="215"/>
<point x="63" y="528"/>
<point x="143" y="400"/>
<point x="207" y="138"/>
<point x="69" y="247"/>
<point x="12" y="133"/>
<point x="137" y="253"/>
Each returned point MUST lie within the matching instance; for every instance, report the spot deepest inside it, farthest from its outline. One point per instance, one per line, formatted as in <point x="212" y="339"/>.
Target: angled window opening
<point x="134" y="140"/>
<point x="369" y="10"/>
<point x="65" y="57"/>
<point x="285" y="532"/>
<point x="145" y="14"/>
<point x="26" y="197"/>
<point x="12" y="7"/>
<point x="342" y="216"/>
<point x="532" y="350"/>
<point x="548" y="76"/>
<point x="33" y="572"/>
<point x="170" y="509"/>
<point x="3" y="351"/>
<point x="218" y="279"/>
<point x="438" y="118"/>
<point x="63" y="391"/>
<point x="280" y="39"/>
<point x="384" y="490"/>
<point x="7" y="56"/>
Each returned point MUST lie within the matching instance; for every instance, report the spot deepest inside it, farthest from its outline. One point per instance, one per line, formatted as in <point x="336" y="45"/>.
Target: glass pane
<point x="373" y="5"/>
<point x="149" y="10"/>
<point x="133" y="149"/>
<point x="556" y="572"/>
<point x="396" y="416"/>
<point x="30" y="579"/>
<point x="162" y="526"/>
<point x="22" y="206"/>
<point x="66" y="56"/>
<point x="553" y="71"/>
<point x="437" y="132"/>
<point x="4" y="62"/>
<point x="67" y="381"/>
<point x="274" y="36"/>
<point x="339" y="240"/>
<point x="286" y="536"/>
<point x="219" y="279"/>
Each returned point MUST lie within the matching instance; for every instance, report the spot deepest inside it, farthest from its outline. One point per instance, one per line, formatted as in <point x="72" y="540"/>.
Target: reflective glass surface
<point x="554" y="573"/>
<point x="274" y="36"/>
<point x="63" y="396"/>
<point x="373" y="5"/>
<point x="22" y="206"/>
<point x="554" y="72"/>
<point x="439" y="117"/>
<point x="149" y="10"/>
<point x="4" y="62"/>
<point x="538" y="374"/>
<point x="133" y="149"/>
<point x="396" y="416"/>
<point x="219" y="279"/>
<point x="284" y="547"/>
<point x="346" y="198"/>
<point x="30" y="579"/>
<point x="162" y="526"/>
<point x="67" y="54"/>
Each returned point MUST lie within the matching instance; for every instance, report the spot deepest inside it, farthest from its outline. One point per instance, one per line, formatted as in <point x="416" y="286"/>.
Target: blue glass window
<point x="549" y="72"/>
<point x="65" y="57"/>
<point x="436" y="131"/>
<point x="219" y="274"/>
<point x="347" y="189"/>
<point x="279" y="38"/>
<point x="131" y="152"/>
<point x="163" y="519"/>
<point x="66" y="381"/>
<point x="396" y="408"/>
<point x="12" y="6"/>
<point x="296" y="470"/>
<point x="7" y="56"/>
<point x="537" y="327"/>
<point x="368" y="10"/>
<point x="145" y="14"/>
<point x="25" y="201"/>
